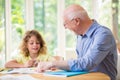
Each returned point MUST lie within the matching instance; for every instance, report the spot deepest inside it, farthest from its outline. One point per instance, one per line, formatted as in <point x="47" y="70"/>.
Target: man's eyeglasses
<point x="65" y="23"/>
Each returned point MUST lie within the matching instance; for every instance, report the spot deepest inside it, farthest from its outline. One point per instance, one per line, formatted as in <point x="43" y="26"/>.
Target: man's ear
<point x="77" y="21"/>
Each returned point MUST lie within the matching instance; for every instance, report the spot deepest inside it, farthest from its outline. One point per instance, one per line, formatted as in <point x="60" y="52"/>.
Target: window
<point x="45" y="20"/>
<point x="17" y="21"/>
<point x="2" y="32"/>
<point x="17" y="16"/>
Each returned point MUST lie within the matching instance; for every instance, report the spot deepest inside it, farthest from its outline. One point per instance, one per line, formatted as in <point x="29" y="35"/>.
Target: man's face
<point x="70" y="24"/>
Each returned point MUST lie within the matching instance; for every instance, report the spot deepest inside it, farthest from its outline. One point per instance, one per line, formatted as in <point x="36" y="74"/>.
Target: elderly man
<point x="96" y="46"/>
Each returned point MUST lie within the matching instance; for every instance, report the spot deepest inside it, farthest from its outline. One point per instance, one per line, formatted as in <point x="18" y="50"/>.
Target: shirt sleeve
<point x="101" y="46"/>
<point x="18" y="57"/>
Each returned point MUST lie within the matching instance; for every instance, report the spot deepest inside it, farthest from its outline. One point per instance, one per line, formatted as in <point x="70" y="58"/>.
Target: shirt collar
<point x="92" y="28"/>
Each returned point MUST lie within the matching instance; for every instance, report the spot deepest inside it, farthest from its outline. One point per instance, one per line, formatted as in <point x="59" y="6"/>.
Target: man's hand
<point x="43" y="66"/>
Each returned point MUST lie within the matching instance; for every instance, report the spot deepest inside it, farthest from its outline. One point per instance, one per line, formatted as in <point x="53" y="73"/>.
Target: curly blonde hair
<point x="27" y="36"/>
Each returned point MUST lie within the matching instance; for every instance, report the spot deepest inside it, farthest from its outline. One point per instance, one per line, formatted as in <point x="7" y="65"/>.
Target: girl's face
<point x="33" y="45"/>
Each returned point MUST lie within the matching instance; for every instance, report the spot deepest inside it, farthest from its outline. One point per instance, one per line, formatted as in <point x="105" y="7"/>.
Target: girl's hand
<point x="29" y="63"/>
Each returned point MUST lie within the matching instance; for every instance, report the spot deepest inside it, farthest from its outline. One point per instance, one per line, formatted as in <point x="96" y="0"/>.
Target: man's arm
<point x="43" y="66"/>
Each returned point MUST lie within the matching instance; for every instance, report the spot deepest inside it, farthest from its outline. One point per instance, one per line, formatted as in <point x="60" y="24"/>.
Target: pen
<point x="1" y="70"/>
<point x="9" y="70"/>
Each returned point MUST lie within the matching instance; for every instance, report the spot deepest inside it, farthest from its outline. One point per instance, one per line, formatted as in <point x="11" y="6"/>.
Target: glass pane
<point x="104" y="18"/>
<point x="2" y="33"/>
<point x="45" y="14"/>
<point x="18" y="22"/>
<point x="119" y="19"/>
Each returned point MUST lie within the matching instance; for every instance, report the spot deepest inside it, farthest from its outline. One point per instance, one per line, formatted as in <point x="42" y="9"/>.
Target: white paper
<point x="22" y="77"/>
<point x="20" y="71"/>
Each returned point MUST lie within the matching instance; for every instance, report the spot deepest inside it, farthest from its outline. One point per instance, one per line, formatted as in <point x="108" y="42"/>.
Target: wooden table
<point x="89" y="76"/>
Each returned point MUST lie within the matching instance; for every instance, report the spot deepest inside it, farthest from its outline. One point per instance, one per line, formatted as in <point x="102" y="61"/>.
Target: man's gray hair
<point x="78" y="14"/>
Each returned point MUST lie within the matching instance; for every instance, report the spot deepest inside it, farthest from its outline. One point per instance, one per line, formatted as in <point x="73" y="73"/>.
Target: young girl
<point x="32" y="50"/>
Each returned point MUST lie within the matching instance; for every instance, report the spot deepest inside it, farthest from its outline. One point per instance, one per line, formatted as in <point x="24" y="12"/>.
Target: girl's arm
<point x="13" y="64"/>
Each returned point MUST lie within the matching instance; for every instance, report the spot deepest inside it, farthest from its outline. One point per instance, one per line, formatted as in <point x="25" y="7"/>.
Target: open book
<point x="21" y="77"/>
<point x="19" y="70"/>
<point x="63" y="73"/>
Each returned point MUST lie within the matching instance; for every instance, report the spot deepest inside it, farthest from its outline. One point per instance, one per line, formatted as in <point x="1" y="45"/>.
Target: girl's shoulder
<point x="20" y="56"/>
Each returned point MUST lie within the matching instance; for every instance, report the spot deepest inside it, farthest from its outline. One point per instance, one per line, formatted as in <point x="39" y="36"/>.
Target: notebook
<point x="63" y="73"/>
